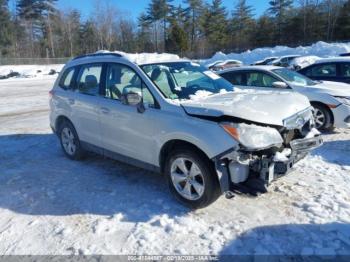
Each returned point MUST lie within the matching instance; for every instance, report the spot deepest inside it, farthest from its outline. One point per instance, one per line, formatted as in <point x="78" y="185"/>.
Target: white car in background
<point x="284" y="61"/>
<point x="303" y="61"/>
<point x="331" y="100"/>
<point x="222" y="65"/>
<point x="266" y="60"/>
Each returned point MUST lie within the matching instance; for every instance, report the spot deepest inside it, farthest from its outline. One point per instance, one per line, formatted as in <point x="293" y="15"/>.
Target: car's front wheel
<point x="70" y="141"/>
<point x="191" y="178"/>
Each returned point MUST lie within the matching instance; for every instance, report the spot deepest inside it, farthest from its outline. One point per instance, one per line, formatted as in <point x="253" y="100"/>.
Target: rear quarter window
<point x="67" y="78"/>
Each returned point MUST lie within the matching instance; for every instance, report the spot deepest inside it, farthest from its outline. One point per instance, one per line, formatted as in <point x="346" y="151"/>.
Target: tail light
<point x="51" y="93"/>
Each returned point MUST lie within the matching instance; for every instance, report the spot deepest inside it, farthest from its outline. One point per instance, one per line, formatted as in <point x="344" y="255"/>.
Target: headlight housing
<point x="298" y="120"/>
<point x="343" y="99"/>
<point x="254" y="137"/>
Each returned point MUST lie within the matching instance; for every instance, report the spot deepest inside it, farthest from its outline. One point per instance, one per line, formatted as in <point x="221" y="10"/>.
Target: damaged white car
<point x="207" y="139"/>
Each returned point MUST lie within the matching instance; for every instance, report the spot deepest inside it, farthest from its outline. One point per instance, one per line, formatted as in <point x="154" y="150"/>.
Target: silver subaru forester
<point x="182" y="120"/>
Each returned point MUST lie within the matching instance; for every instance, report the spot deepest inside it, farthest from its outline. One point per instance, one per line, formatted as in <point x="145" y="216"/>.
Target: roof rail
<point x="97" y="54"/>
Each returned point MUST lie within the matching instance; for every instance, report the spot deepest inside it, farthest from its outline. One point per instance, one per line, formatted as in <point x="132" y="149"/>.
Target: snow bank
<point x="320" y="49"/>
<point x="30" y="70"/>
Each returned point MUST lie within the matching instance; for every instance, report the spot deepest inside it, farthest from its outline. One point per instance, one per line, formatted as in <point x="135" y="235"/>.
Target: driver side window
<point x="260" y="79"/>
<point x="121" y="80"/>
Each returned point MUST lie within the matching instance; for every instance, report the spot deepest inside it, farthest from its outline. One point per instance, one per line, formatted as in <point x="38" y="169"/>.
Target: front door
<point x="126" y="130"/>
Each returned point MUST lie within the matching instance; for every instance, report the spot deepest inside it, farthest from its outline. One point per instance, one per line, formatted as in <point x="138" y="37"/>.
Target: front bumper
<point x="341" y="115"/>
<point x="237" y="170"/>
<point x="299" y="149"/>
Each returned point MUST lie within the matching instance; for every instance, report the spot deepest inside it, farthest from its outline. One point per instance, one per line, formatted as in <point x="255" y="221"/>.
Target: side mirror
<point x="132" y="99"/>
<point x="280" y="85"/>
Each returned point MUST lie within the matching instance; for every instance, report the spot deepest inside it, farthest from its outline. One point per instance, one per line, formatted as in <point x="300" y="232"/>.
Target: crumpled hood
<point x="266" y="107"/>
<point x="327" y="87"/>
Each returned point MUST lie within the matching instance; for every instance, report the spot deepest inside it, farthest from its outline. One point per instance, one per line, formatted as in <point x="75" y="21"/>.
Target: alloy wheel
<point x="187" y="178"/>
<point x="320" y="118"/>
<point x="68" y="141"/>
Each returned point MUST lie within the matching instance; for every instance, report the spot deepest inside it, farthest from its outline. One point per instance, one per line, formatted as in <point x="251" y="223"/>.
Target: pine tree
<point x="5" y="28"/>
<point x="158" y="11"/>
<point x="342" y="30"/>
<point x="48" y="15"/>
<point x="214" y="25"/>
<point x="263" y="34"/>
<point x="144" y="34"/>
<point x="29" y="14"/>
<point x="242" y="24"/>
<point x="177" y="41"/>
<point x="279" y="9"/>
<point x="193" y="14"/>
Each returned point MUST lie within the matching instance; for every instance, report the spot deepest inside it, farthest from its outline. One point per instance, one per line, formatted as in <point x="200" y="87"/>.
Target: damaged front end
<point x="265" y="153"/>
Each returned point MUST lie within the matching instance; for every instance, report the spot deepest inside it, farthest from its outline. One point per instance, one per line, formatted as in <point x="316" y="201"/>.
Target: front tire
<point x="191" y="178"/>
<point x="323" y="118"/>
<point x="70" y="142"/>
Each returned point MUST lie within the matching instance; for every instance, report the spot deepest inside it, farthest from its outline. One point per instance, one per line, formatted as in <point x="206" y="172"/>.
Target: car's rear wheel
<point x="70" y="141"/>
<point x="322" y="116"/>
<point x="191" y="178"/>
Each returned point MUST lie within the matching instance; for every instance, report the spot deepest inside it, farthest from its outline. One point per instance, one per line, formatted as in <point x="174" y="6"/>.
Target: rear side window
<point x="66" y="79"/>
<point x="345" y="69"/>
<point x="89" y="79"/>
<point x="324" y="70"/>
<point x="234" y="78"/>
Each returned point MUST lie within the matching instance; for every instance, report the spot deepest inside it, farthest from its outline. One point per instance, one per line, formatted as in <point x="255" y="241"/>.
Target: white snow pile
<point x="145" y="58"/>
<point x="25" y="71"/>
<point x="320" y="49"/>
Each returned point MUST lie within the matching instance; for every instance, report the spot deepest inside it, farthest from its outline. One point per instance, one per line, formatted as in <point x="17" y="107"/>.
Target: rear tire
<point x="191" y="178"/>
<point x="323" y="117"/>
<point x="70" y="142"/>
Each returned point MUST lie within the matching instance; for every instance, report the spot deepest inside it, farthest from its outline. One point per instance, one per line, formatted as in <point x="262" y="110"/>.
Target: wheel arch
<point x="59" y="120"/>
<point x="171" y="145"/>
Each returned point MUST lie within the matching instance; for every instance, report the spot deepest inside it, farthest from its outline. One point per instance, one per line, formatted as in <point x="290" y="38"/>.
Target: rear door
<point x="85" y="103"/>
<point x="237" y="78"/>
<point x="344" y="72"/>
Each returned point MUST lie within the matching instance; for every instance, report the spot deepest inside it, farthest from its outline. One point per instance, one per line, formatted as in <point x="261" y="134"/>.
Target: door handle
<point x="71" y="101"/>
<point x="105" y="110"/>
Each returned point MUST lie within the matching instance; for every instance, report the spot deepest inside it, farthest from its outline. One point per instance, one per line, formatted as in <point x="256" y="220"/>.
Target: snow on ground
<point x="28" y="71"/>
<point x="52" y="205"/>
<point x="320" y="49"/>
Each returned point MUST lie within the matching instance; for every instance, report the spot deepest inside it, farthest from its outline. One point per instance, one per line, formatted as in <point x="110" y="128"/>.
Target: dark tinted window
<point x="345" y="69"/>
<point x="89" y="79"/>
<point x="323" y="70"/>
<point x="234" y="78"/>
<point x="67" y="78"/>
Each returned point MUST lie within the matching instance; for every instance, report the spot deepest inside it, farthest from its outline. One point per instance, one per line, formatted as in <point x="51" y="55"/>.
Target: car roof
<point x="333" y="60"/>
<point x="254" y="67"/>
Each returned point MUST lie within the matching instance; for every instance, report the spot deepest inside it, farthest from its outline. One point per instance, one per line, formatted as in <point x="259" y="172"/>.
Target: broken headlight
<point x="254" y="137"/>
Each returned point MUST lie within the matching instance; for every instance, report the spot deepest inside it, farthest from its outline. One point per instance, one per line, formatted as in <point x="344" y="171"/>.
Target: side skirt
<point x="119" y="157"/>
